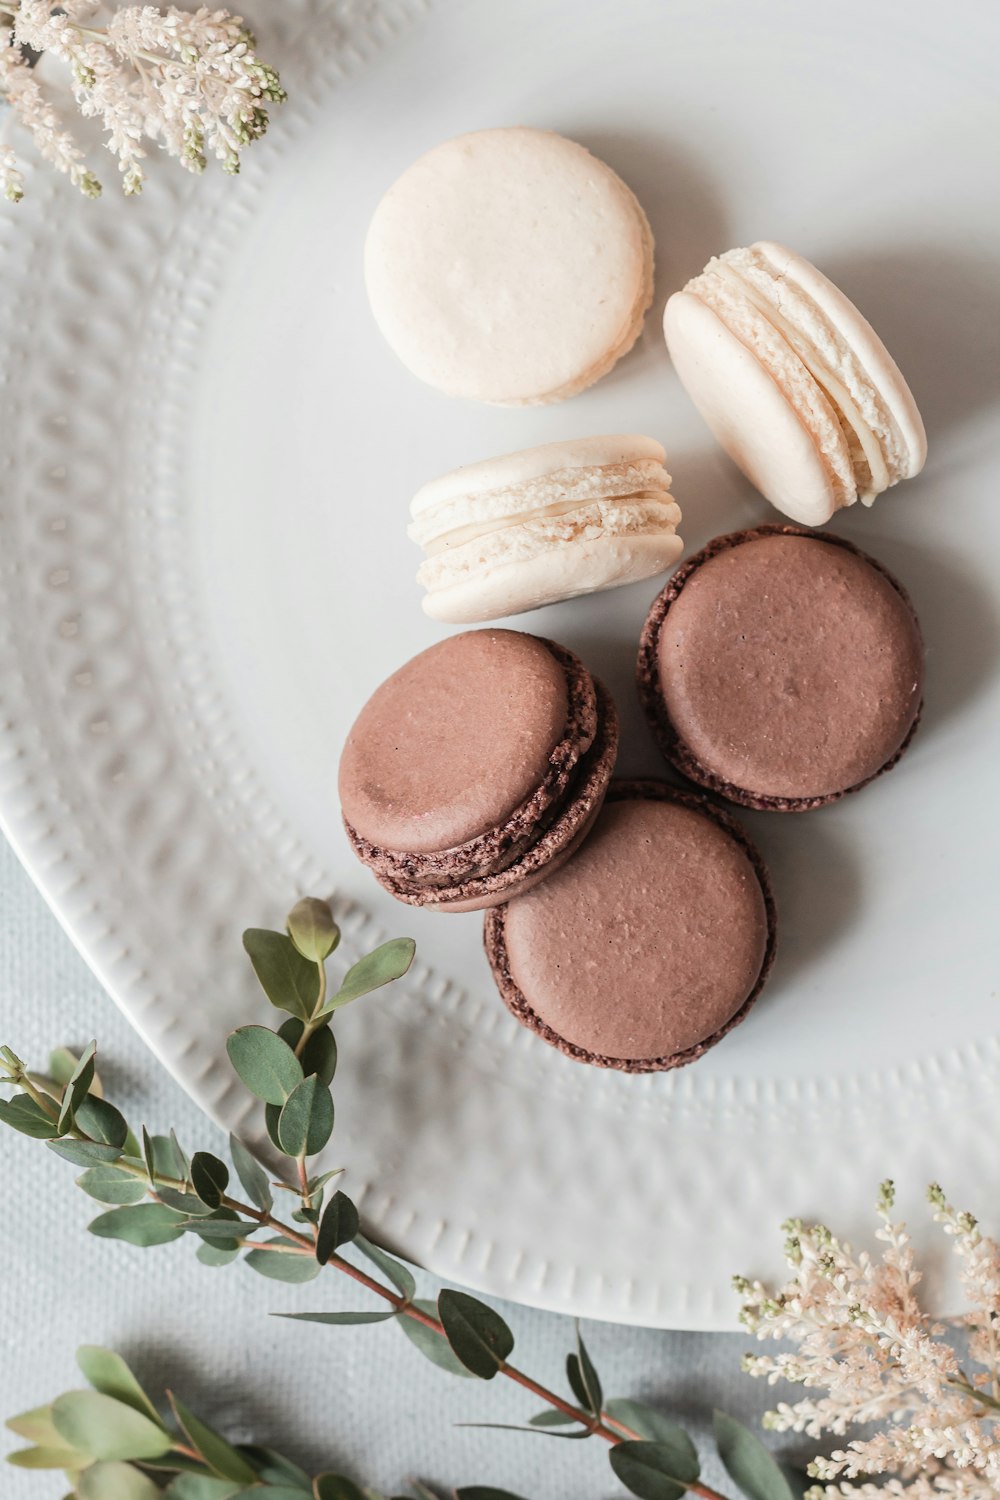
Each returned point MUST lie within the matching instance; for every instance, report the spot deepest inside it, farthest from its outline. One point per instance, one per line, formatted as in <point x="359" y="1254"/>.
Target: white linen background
<point x="357" y="1400"/>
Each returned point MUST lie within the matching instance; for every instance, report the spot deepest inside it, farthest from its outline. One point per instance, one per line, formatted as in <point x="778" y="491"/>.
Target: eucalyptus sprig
<point x="154" y="1193"/>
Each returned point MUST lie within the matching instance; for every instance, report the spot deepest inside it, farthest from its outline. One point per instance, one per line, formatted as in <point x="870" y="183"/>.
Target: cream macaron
<point x="509" y="266"/>
<point x="796" y="385"/>
<point x="514" y="533"/>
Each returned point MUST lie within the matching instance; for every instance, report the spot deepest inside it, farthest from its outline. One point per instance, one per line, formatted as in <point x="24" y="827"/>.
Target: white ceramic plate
<point x="206" y="460"/>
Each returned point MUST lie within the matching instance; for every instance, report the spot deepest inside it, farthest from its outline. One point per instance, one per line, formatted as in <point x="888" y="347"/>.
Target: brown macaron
<point x="476" y="769"/>
<point x="781" y="668"/>
<point x="650" y="945"/>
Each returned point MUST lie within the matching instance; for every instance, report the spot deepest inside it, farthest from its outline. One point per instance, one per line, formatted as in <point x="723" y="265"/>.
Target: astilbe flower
<point x="190" y="81"/>
<point x="873" y="1356"/>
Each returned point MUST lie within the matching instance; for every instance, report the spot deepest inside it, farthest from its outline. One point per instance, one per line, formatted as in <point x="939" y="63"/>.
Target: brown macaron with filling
<point x="477" y="768"/>
<point x="650" y="944"/>
<point x="782" y="668"/>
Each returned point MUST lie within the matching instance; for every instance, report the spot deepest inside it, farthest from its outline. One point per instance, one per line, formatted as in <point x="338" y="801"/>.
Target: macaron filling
<point x="781" y="668"/>
<point x="755" y="293"/>
<point x="648" y="947"/>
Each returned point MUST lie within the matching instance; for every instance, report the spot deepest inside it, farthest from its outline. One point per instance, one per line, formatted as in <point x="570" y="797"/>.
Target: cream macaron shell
<point x="509" y="266"/>
<point x="795" y="383"/>
<point x="514" y="533"/>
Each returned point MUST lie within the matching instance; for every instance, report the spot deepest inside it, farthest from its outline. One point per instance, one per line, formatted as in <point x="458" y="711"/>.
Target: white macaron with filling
<point x="513" y="533"/>
<point x="796" y="385"/>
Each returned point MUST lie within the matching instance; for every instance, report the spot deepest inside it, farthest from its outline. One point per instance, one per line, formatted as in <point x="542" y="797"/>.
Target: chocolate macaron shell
<point x="562" y="833"/>
<point x="651" y="945"/>
<point x="781" y="668"/>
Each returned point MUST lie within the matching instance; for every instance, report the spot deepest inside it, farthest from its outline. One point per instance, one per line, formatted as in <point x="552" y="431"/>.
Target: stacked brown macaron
<point x="477" y="768"/>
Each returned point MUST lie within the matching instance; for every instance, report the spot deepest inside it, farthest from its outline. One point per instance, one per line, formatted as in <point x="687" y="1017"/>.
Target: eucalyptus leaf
<point x="67" y="1459"/>
<point x="144" y="1224"/>
<point x="576" y="1435"/>
<point x="106" y="1428"/>
<point x="62" y="1065"/>
<point x="316" y="1184"/>
<point x="593" y="1394"/>
<point x="77" y="1088"/>
<point x="275" y="1468"/>
<point x="388" y="962"/>
<point x="279" y="1267"/>
<point x="179" y="1154"/>
<point x="551" y="1417"/>
<point x="336" y="1487"/>
<point x="312" y="929"/>
<point x="110" y="1185"/>
<point x="319" y="1055"/>
<point x="222" y="1226"/>
<point x="251" y="1175"/>
<point x="400" y="1276"/>
<point x="748" y="1462"/>
<point x="306" y="1122"/>
<point x="209" y="1178"/>
<point x="164" y="1157"/>
<point x="338" y="1226"/>
<point x="643" y="1420"/>
<point x="220" y="1456"/>
<point x="101" y="1121"/>
<point x="266" y="1063"/>
<point x="575" y="1377"/>
<point x="109" y="1374"/>
<point x="85" y="1153"/>
<point x="484" y="1492"/>
<point x="478" y="1335"/>
<point x="37" y="1426"/>
<point x="116" y="1481"/>
<point x="656" y="1471"/>
<point x="23" y="1114"/>
<point x="201" y="1487"/>
<point x="289" y="980"/>
<point x="147" y="1155"/>
<point x="217" y="1255"/>
<point x="272" y="1118"/>
<point x="188" y="1204"/>
<point x="342" y="1319"/>
<point x="433" y="1346"/>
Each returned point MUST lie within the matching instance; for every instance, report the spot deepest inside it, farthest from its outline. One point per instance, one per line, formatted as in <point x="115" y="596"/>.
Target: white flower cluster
<point x="189" y="81"/>
<point x="864" y="1342"/>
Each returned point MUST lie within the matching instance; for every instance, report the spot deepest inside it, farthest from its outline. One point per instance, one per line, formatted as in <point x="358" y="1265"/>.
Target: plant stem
<point x="310" y="1026"/>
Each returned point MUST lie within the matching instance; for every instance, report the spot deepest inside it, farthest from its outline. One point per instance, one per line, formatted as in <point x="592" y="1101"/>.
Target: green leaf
<point x="341" y="1319"/>
<point x="643" y="1420"/>
<point x="336" y="1487"/>
<point x="107" y="1429"/>
<point x="48" y="1458"/>
<point x="274" y="1468"/>
<point x="77" y="1088"/>
<point x="312" y="929"/>
<point x="23" y="1114"/>
<point x="306" y="1122"/>
<point x="109" y="1374"/>
<point x="251" y="1175"/>
<point x="398" y="1274"/>
<point x="748" y="1462"/>
<point x="62" y="1065"/>
<point x="201" y="1487"/>
<point x="188" y="1204"/>
<point x="110" y="1185"/>
<point x="319" y="1055"/>
<point x="209" y="1178"/>
<point x="320" y="1182"/>
<point x="222" y="1225"/>
<point x="433" y="1346"/>
<point x="266" y="1064"/>
<point x="36" y="1425"/>
<point x="338" y="1226"/>
<point x="85" y="1153"/>
<point x="220" y="1456"/>
<point x="180" y="1156"/>
<point x="116" y="1481"/>
<point x="550" y="1417"/>
<point x="656" y="1471"/>
<point x="216" y="1255"/>
<point x="478" y="1335"/>
<point x="593" y="1396"/>
<point x="288" y="980"/>
<point x="272" y="1117"/>
<point x="295" y="1268"/>
<point x="145" y="1224"/>
<point x="390" y="961"/>
<point x="101" y="1121"/>
<point x="484" y="1492"/>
